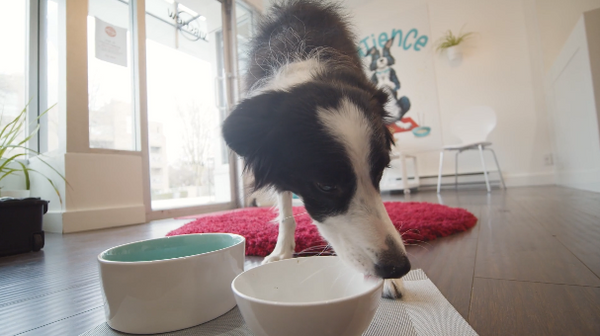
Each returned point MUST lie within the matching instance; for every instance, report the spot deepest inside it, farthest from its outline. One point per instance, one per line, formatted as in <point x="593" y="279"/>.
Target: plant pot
<point x="453" y="53"/>
<point x="21" y="225"/>
<point x="15" y="193"/>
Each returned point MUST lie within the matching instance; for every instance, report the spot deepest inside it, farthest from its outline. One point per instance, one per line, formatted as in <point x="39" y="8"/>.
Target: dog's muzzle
<point x="392" y="263"/>
<point x="392" y="269"/>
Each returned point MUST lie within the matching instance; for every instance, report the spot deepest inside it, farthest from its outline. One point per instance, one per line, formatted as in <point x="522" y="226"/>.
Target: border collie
<point x="384" y="76"/>
<point x="313" y="124"/>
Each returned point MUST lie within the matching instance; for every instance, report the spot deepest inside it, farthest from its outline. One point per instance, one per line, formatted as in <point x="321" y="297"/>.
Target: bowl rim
<point x="143" y="262"/>
<point x="422" y="128"/>
<point x="302" y="304"/>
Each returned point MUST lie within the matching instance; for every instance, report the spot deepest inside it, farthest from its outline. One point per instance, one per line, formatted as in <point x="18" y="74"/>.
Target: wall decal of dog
<point x="384" y="76"/>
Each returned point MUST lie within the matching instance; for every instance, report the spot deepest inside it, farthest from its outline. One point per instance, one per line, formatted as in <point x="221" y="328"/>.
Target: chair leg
<point x="498" y="167"/>
<point x="440" y="173"/>
<point x="417" y="180"/>
<point x="405" y="186"/>
<point x="487" y="181"/>
<point x="456" y="170"/>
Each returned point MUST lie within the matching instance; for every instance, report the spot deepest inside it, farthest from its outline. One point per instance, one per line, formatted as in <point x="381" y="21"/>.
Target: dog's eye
<point x="326" y="188"/>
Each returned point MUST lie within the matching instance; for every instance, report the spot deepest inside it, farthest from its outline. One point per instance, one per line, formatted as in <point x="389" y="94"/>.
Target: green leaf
<point x="26" y="174"/>
<point x="9" y="141"/>
<point x="51" y="183"/>
<point x="10" y="160"/>
<point x="450" y="40"/>
<point x="8" y="172"/>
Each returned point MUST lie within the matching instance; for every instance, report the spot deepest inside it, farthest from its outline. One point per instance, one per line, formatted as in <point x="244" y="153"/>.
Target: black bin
<point x="21" y="225"/>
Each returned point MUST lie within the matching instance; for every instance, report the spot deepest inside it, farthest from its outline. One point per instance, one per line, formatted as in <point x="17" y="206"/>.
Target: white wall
<point x="573" y="102"/>
<point x="497" y="71"/>
<point x="105" y="190"/>
<point x="556" y="19"/>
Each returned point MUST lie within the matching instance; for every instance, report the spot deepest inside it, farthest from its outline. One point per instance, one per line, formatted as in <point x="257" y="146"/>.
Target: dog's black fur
<point x="278" y="133"/>
<point x="303" y="128"/>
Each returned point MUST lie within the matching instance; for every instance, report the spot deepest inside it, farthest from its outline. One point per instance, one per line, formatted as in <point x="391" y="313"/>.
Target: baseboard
<point x="475" y="178"/>
<point x="585" y="179"/>
<point x="93" y="219"/>
<point x="527" y="180"/>
<point x="53" y="222"/>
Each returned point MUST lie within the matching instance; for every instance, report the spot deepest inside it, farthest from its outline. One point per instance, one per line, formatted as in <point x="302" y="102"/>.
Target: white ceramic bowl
<point x="306" y="296"/>
<point x="171" y="283"/>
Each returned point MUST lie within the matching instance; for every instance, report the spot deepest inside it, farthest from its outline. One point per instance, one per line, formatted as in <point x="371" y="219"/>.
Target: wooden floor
<point x="530" y="266"/>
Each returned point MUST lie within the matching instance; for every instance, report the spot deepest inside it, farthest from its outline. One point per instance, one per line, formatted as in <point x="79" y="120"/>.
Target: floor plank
<point x="503" y="307"/>
<point x="514" y="246"/>
<point x="72" y="325"/>
<point x="49" y="308"/>
<point x="578" y="231"/>
<point x="449" y="263"/>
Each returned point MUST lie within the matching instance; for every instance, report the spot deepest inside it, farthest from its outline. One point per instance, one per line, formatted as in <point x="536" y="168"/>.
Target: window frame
<point x="32" y="71"/>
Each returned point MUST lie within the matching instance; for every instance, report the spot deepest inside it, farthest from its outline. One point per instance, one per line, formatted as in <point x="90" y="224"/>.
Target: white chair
<point x="396" y="177"/>
<point x="472" y="126"/>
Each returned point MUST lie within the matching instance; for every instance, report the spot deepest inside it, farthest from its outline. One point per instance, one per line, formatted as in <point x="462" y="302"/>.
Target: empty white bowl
<point x="307" y="296"/>
<point x="171" y="283"/>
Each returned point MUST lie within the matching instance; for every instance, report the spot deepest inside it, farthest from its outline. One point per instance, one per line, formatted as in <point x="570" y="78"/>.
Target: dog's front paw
<point x="278" y="256"/>
<point x="393" y="288"/>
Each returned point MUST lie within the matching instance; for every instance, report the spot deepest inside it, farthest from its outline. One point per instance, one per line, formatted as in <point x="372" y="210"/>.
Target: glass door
<point x="188" y="161"/>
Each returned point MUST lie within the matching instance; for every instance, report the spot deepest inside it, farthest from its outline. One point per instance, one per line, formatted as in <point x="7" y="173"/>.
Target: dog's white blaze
<point x="349" y="125"/>
<point x="290" y="75"/>
<point x="360" y="233"/>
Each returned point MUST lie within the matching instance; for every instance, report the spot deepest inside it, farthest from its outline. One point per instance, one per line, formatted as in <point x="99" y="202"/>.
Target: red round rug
<point x="415" y="221"/>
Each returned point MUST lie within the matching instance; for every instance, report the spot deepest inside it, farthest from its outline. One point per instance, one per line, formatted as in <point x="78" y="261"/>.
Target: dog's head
<point x="384" y="60"/>
<point x="329" y="145"/>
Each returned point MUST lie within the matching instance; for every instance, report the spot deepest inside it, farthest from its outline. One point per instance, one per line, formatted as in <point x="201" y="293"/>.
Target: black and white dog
<point x="384" y="76"/>
<point x="313" y="124"/>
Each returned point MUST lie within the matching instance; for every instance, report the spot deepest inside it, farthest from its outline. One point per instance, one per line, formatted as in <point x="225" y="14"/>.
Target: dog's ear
<point x="381" y="99"/>
<point x="253" y="131"/>
<point x="373" y="51"/>
<point x="386" y="52"/>
<point x="252" y="122"/>
<point x="388" y="44"/>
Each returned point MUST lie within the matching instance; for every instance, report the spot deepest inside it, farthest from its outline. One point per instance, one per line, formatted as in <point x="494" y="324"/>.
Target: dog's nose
<point x="392" y="268"/>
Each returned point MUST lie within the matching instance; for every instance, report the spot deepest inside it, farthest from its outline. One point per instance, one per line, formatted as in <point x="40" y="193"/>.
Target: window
<point x="110" y="75"/>
<point x="184" y="80"/>
<point x="245" y="23"/>
<point x="13" y="59"/>
<point x="18" y="82"/>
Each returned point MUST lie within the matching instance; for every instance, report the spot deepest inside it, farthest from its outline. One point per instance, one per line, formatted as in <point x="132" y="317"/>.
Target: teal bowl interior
<point x="171" y="247"/>
<point x="421" y="131"/>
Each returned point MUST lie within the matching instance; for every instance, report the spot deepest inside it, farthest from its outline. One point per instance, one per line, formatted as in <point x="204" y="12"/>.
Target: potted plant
<point x="450" y="44"/>
<point x="21" y="224"/>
